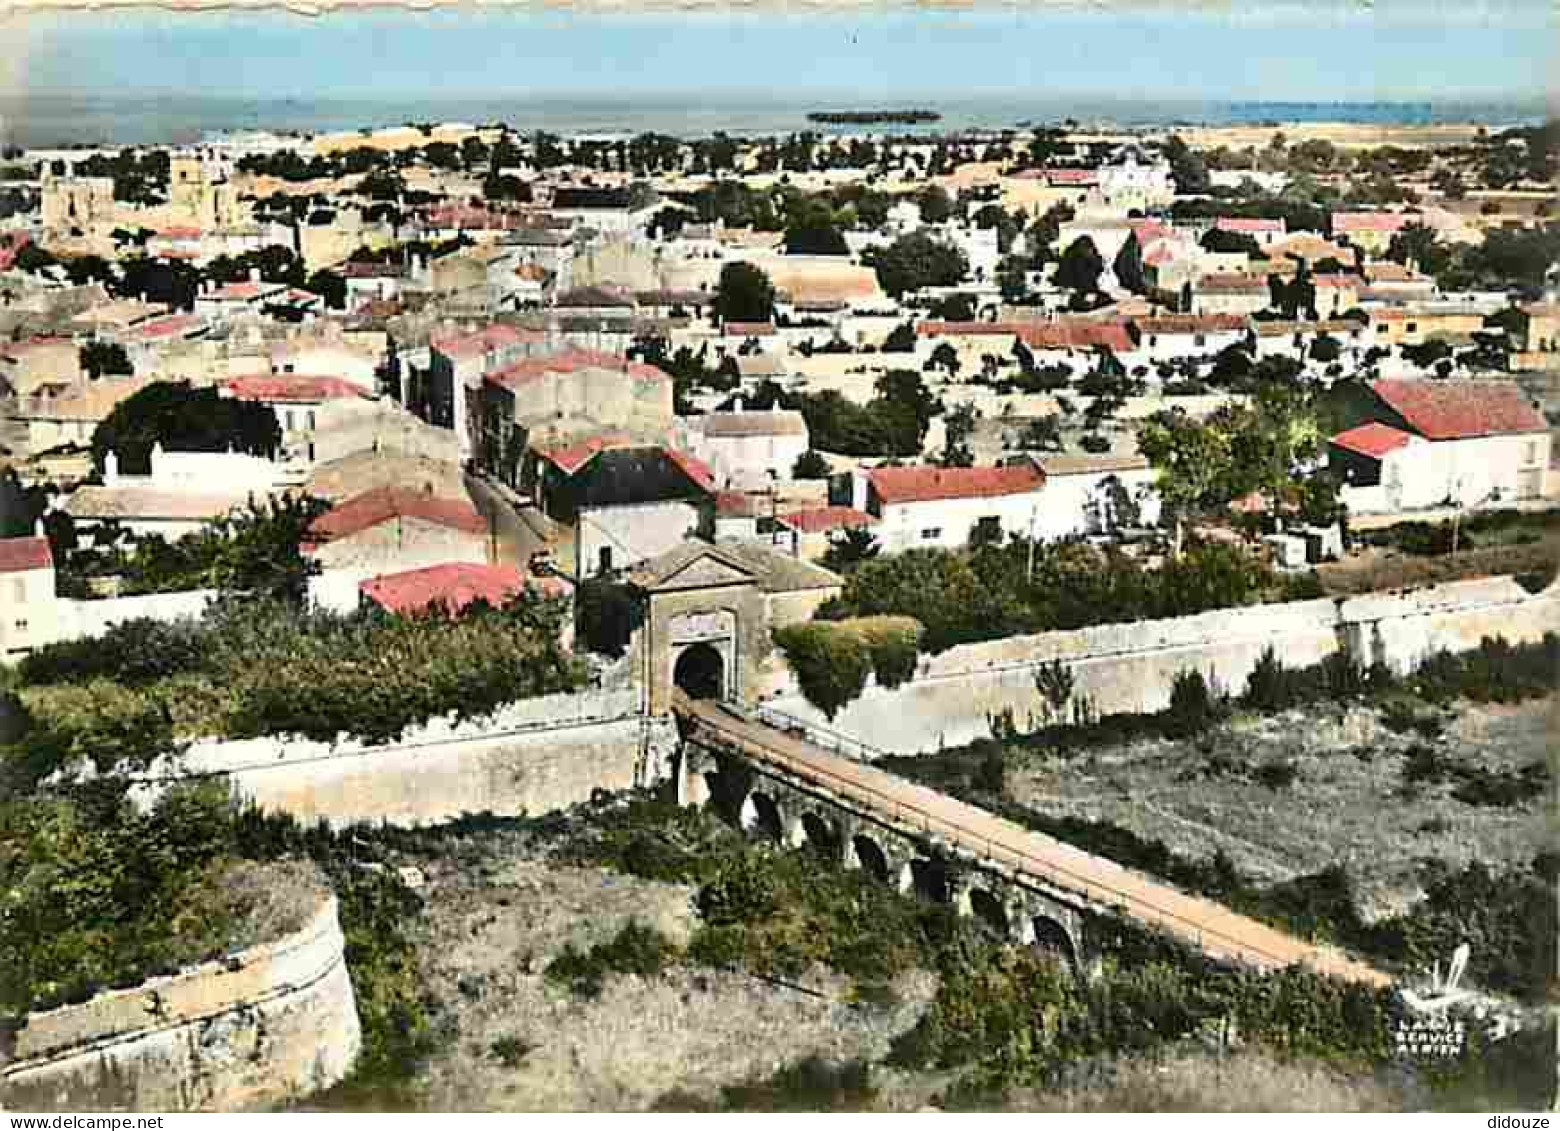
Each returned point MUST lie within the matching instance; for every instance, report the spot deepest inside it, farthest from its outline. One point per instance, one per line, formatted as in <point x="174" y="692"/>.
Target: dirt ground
<point x="498" y="911"/>
<point x="1350" y="803"/>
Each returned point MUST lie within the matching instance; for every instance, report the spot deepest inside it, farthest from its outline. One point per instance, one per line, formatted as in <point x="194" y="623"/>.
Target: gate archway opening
<point x="701" y="672"/>
<point x="871" y="857"/>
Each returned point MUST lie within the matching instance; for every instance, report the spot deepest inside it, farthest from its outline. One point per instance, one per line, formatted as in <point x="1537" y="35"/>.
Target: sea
<point x="59" y="121"/>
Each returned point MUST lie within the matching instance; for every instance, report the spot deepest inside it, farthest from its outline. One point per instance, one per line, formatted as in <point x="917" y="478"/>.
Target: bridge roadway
<point x="1094" y="881"/>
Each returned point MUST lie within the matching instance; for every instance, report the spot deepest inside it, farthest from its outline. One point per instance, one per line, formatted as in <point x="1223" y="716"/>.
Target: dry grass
<point x="1376" y="569"/>
<point x="1246" y="1081"/>
<point x="1348" y="804"/>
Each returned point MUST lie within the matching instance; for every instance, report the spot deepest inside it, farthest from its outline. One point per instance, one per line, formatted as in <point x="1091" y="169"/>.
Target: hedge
<point x="832" y="659"/>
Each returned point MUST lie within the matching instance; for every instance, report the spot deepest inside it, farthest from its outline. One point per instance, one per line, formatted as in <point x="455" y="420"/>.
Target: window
<point x="1199" y="339"/>
<point x="1530" y="452"/>
<point x="311" y="420"/>
<point x="21" y="626"/>
<point x="604" y="560"/>
<point x="931" y="533"/>
<point x="988" y="530"/>
<point x="1412" y="327"/>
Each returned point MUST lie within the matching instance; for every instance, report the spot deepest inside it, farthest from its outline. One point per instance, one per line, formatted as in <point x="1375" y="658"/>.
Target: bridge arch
<point x="871" y="857"/>
<point x="1051" y="936"/>
<point x="820" y="835"/>
<point x="761" y="814"/>
<point x="930" y="879"/>
<point x="990" y="910"/>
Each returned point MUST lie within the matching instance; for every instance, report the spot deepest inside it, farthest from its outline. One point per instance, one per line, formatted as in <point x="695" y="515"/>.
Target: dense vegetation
<point x="833" y="659"/>
<point x="256" y="667"/>
<point x="183" y="419"/>
<point x="989" y="592"/>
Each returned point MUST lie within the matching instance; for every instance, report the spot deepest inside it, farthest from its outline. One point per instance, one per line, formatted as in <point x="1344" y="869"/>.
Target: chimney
<point x="38" y="531"/>
<point x="736" y="404"/>
<point x="111" y="469"/>
<point x="254" y="274"/>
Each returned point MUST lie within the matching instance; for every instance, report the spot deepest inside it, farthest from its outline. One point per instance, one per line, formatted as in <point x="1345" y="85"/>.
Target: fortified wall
<point x="1131" y="667"/>
<point x="263" y="1026"/>
<point x="532" y="756"/>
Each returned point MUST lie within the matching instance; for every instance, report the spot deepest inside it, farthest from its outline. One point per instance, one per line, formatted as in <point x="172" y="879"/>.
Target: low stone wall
<point x="1131" y="667"/>
<point x="78" y="619"/>
<point x="266" y="1025"/>
<point x="533" y="756"/>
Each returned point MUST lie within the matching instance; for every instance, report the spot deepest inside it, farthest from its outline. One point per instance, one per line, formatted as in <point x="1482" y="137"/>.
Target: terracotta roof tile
<point x="289" y="387"/>
<point x="384" y="503"/>
<point x="1455" y="410"/>
<point x="925" y="484"/>
<point x="454" y="584"/>
<point x="20" y="554"/>
<point x="820" y="520"/>
<point x="1374" y="439"/>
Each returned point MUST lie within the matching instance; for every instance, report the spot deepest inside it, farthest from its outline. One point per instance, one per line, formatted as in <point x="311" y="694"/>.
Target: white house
<point x="1095" y="494"/>
<point x="946" y="507"/>
<point x="27" y="604"/>
<point x="182" y="493"/>
<point x="748" y="449"/>
<point x="1436" y="443"/>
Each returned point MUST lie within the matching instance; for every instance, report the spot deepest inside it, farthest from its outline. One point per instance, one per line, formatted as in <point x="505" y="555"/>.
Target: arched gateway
<point x="706" y="612"/>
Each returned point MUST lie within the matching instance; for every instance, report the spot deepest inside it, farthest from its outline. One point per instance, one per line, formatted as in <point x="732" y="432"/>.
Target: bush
<point x="831" y="666"/>
<point x="608" y="616"/>
<point x="636" y="949"/>
<point x="1193" y="706"/>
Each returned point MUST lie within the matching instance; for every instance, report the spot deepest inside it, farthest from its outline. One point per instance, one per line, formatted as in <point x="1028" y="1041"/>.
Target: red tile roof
<point x="1073" y="333"/>
<point x="749" y="329"/>
<point x="1247" y="224"/>
<point x="819" y="520"/>
<point x="1192" y="324"/>
<point x="455" y="585"/>
<point x="696" y="469"/>
<point x="574" y="361"/>
<point x="289" y="388"/>
<point x="478" y="343"/>
<point x="1374" y="439"/>
<point x="1232" y="283"/>
<point x="1370" y="221"/>
<point x="572" y="457"/>
<point x="369" y="509"/>
<point x="170" y="326"/>
<point x="1072" y="176"/>
<point x="1335" y="282"/>
<point x="20" y="554"/>
<point x="925" y="484"/>
<point x="1456" y="410"/>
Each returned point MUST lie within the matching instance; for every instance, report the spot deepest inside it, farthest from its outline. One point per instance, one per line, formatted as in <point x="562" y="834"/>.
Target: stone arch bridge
<point x="1030" y="888"/>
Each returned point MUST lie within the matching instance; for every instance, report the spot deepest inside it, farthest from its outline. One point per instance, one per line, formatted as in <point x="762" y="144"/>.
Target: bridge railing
<point x="916" y="817"/>
<point x="836" y="742"/>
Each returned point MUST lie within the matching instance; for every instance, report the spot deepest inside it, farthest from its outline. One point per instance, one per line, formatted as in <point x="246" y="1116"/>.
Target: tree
<point x="908" y="405"/>
<point x="816" y="237"/>
<point x="955" y="308"/>
<point x="959" y="426"/>
<point x="183" y="419"/>
<point x="901" y="339"/>
<point x="1187" y="168"/>
<point x="1325" y="349"/>
<point x="811" y="465"/>
<point x="1219" y="241"/>
<point x="330" y="286"/>
<point x="1192" y="459"/>
<point x="849" y="548"/>
<point x="915" y="261"/>
<point x="1128" y="266"/>
<point x="945" y="357"/>
<point x="1080" y="267"/>
<point x="101" y="359"/>
<point x="745" y="294"/>
<point x="936" y="206"/>
<point x="1042" y="434"/>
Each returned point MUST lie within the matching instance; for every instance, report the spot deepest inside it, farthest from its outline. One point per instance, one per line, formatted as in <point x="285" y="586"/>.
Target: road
<point x="1202" y="923"/>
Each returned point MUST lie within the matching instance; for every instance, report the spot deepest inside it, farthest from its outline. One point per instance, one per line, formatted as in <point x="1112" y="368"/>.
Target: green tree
<point x="936" y="205"/>
<point x="915" y="261"/>
<point x="1192" y="460"/>
<point x="1080" y="267"/>
<point x="811" y="465"/>
<point x="745" y="294"/>
<point x="959" y="426"/>
<point x="183" y="419"/>
<point x="1128" y="266"/>
<point x="849" y="548"/>
<point x="103" y="359"/>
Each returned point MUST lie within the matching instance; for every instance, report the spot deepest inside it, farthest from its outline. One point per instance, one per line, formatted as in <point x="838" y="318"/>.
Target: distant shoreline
<point x="66" y="120"/>
<point x="872" y="117"/>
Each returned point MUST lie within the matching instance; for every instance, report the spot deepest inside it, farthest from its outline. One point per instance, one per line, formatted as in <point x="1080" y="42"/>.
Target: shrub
<point x="509" y="1050"/>
<point x="831" y="665"/>
<point x="608" y="616"/>
<point x="1270" y="686"/>
<point x="1278" y="775"/>
<point x="636" y="949"/>
<point x="1193" y="706"/>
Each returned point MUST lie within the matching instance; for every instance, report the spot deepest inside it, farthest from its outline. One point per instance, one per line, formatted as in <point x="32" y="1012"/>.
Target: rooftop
<point x="381" y="504"/>
<point x="895" y="485"/>
<point x="1457" y="410"/>
<point x="17" y="555"/>
<point x="1374" y="439"/>
<point x="454" y="585"/>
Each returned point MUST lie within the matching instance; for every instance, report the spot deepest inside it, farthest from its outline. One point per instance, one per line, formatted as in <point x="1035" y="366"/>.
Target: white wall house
<point x="934" y="506"/>
<point x="1095" y="494"/>
<point x="27" y="603"/>
<point x="1438" y="443"/>
<point x="748" y="450"/>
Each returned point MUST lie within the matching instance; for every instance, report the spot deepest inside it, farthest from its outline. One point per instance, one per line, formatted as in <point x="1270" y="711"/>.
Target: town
<point x="938" y="608"/>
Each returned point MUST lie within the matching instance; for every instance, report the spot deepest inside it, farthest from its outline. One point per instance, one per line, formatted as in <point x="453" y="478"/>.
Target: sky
<point x="1326" y="51"/>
